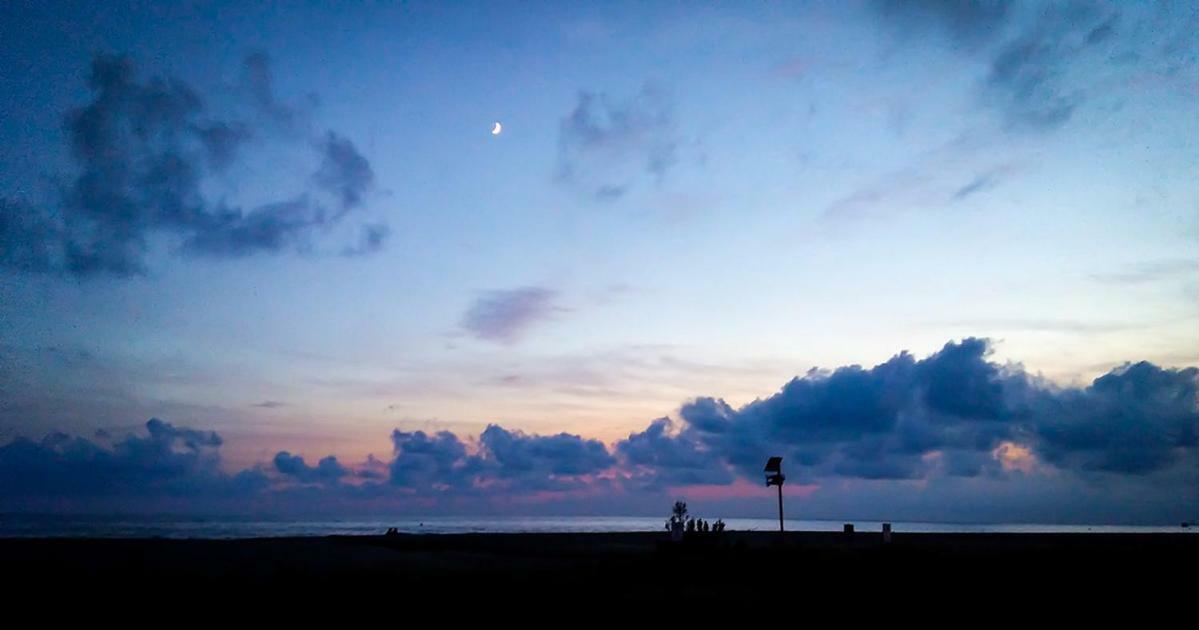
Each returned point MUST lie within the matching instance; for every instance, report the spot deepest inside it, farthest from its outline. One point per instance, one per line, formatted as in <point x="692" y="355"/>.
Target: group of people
<point x="693" y="525"/>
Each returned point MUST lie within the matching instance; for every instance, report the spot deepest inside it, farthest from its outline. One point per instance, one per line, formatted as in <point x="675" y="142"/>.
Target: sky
<point x="942" y="257"/>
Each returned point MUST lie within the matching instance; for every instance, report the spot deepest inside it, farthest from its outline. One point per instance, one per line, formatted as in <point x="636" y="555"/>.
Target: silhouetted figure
<point x="690" y="526"/>
<point x="678" y="521"/>
<point x="706" y="528"/>
<point x="719" y="526"/>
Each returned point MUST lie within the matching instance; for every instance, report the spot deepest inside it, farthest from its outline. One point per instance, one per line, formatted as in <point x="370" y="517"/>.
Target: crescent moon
<point x="495" y="131"/>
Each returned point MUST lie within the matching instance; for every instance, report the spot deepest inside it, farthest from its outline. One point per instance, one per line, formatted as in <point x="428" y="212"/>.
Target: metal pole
<point x="780" y="508"/>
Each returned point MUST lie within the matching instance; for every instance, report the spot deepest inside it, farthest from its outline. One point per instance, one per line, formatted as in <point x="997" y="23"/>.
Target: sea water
<point x="191" y="527"/>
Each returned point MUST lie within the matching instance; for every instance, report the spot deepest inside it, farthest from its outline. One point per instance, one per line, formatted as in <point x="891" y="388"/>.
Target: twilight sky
<point x="272" y="259"/>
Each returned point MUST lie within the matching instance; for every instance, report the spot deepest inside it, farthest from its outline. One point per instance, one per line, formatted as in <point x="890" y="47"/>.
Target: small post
<point x="775" y="477"/>
<point x="780" y="508"/>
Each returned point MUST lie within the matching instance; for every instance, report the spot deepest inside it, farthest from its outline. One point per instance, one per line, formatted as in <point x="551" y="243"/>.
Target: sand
<point x="818" y="569"/>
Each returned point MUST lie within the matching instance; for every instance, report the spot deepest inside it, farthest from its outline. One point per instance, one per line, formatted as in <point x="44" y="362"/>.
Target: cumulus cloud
<point x="147" y="154"/>
<point x="327" y="470"/>
<point x="953" y="413"/>
<point x="1137" y="419"/>
<point x="168" y="461"/>
<point x="507" y="460"/>
<point x="606" y="146"/>
<point x="504" y="316"/>
<point x="953" y="421"/>
<point x="659" y="458"/>
<point x="537" y="462"/>
<point x="424" y="461"/>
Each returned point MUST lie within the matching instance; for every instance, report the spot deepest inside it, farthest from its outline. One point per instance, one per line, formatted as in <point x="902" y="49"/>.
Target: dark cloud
<point x="259" y="83"/>
<point x="1137" y="419"/>
<point x="606" y="146"/>
<point x="1028" y="79"/>
<point x="662" y="459"/>
<point x="944" y="419"/>
<point x="343" y="171"/>
<point x="168" y="461"/>
<point x="1024" y="82"/>
<point x="427" y="462"/>
<point x="1029" y="49"/>
<point x="327" y="470"/>
<point x="945" y="414"/>
<point x="511" y="461"/>
<point x="504" y="316"/>
<point x="965" y="22"/>
<point x="537" y="461"/>
<point x="145" y="150"/>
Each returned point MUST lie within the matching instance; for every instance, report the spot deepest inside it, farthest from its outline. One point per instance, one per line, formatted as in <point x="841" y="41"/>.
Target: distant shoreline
<point x="222" y="528"/>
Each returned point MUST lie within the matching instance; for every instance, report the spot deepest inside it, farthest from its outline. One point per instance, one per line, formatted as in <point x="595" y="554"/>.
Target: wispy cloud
<point x="505" y="316"/>
<point x="607" y="145"/>
<point x="1152" y="271"/>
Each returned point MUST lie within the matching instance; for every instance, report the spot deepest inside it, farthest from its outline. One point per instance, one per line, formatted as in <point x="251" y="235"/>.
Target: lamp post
<point x="775" y="477"/>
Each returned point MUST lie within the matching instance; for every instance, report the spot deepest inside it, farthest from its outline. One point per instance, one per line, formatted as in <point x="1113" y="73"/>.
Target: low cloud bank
<point x="924" y="432"/>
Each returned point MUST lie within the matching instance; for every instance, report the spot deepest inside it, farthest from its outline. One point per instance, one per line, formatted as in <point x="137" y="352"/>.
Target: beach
<point x="827" y="567"/>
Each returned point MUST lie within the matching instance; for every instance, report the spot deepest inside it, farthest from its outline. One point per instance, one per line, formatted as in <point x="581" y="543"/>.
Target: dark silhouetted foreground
<point x="822" y="569"/>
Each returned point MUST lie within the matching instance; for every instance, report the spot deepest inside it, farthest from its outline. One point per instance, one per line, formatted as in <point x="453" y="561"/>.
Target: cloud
<point x="505" y="460"/>
<point x="1152" y="271"/>
<point x="1024" y="83"/>
<point x="504" y="316"/>
<point x="917" y="435"/>
<point x="981" y="183"/>
<point x="949" y="413"/>
<point x="1137" y="419"/>
<point x="1028" y="76"/>
<point x="258" y="81"/>
<point x="372" y="238"/>
<point x="540" y="462"/>
<point x="327" y="470"/>
<point x="966" y="22"/>
<point x="425" y="461"/>
<point x="1029" y="50"/>
<point x="148" y="153"/>
<point x="343" y="171"/>
<point x="607" y="146"/>
<point x="662" y="459"/>
<point x="168" y="461"/>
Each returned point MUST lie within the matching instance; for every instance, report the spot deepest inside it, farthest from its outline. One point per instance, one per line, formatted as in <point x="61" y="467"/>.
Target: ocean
<point x="28" y="526"/>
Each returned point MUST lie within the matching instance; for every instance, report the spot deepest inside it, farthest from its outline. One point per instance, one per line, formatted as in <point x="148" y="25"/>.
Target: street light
<point x="775" y="477"/>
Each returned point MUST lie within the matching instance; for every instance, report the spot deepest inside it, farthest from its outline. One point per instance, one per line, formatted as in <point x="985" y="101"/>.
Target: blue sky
<point x="686" y="201"/>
